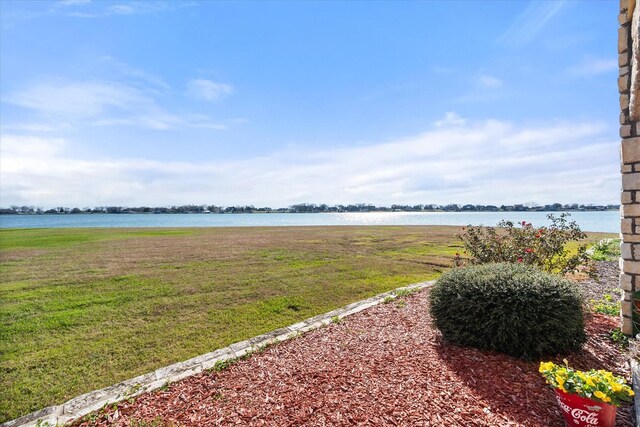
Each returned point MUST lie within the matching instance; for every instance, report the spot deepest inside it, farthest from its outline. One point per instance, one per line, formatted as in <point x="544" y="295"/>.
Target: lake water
<point x="606" y="221"/>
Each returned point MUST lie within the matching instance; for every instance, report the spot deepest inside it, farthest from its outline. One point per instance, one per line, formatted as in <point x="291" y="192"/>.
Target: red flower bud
<point x="519" y="259"/>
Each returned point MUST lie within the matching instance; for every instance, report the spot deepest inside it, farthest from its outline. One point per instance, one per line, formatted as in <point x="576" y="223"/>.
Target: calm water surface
<point x="607" y="221"/>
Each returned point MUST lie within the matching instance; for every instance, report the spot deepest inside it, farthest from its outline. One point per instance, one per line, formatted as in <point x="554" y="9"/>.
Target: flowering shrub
<point x="544" y="247"/>
<point x="601" y="386"/>
<point x="605" y="250"/>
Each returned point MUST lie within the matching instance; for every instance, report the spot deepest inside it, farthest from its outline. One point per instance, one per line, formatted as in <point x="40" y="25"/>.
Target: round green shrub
<point x="511" y="308"/>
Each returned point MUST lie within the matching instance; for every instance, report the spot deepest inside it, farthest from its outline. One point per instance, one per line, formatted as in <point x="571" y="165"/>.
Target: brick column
<point x="629" y="88"/>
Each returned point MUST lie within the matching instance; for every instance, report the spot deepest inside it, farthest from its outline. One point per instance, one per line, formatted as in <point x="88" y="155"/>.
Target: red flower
<point x="520" y="259"/>
<point x="537" y="236"/>
<point x="528" y="250"/>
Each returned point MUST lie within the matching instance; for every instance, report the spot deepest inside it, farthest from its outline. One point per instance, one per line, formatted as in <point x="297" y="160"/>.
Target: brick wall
<point x="629" y="88"/>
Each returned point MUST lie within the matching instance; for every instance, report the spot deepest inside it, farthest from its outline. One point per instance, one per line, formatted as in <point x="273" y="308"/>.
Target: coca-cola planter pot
<point x="580" y="411"/>
<point x="586" y="398"/>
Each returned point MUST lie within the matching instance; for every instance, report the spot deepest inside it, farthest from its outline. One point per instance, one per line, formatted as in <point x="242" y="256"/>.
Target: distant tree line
<point x="302" y="208"/>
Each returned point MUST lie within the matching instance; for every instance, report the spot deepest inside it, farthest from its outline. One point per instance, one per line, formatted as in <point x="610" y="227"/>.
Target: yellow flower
<point x="545" y="366"/>
<point x="600" y="395"/>
<point x="560" y="382"/>
<point x="585" y="384"/>
<point x="616" y="387"/>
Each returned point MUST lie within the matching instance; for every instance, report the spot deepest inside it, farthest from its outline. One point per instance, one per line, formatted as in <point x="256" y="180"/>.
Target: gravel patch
<point x="386" y="366"/>
<point x="607" y="282"/>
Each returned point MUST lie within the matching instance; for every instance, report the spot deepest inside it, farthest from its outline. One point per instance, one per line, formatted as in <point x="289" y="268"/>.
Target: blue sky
<point x="275" y="103"/>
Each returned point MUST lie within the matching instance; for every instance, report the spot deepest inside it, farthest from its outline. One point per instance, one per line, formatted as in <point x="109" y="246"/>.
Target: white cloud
<point x="72" y="2"/>
<point x="79" y="99"/>
<point x="30" y="147"/>
<point x="164" y="121"/>
<point x="33" y="127"/>
<point x="490" y="82"/>
<point x="85" y="15"/>
<point x="594" y="66"/>
<point x="483" y="162"/>
<point x="208" y="90"/>
<point x="483" y="87"/>
<point x="450" y="119"/>
<point x="100" y="103"/>
<point x="531" y="21"/>
<point x="102" y="9"/>
<point x="120" y="9"/>
<point x="134" y="73"/>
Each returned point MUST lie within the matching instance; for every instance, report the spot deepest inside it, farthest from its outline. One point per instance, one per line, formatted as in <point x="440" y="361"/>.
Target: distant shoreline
<point x="168" y="212"/>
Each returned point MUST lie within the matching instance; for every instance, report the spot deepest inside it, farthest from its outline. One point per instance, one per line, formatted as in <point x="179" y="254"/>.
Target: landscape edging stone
<point x="95" y="400"/>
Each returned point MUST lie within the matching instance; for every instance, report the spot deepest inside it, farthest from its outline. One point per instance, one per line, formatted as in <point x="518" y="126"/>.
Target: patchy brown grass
<point x="85" y="308"/>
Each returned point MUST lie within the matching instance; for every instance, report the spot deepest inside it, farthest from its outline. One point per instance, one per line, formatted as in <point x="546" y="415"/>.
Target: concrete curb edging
<point x="84" y="404"/>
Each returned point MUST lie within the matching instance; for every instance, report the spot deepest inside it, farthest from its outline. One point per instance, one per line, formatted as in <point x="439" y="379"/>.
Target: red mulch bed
<point x="383" y="366"/>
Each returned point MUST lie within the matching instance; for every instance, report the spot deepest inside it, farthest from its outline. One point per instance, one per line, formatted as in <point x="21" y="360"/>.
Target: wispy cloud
<point x="85" y="99"/>
<point x="163" y="121"/>
<point x="450" y="119"/>
<point x="72" y="2"/>
<point x="531" y="21"/>
<point x="100" y="9"/>
<point x="483" y="87"/>
<point x="490" y="82"/>
<point x="594" y="67"/>
<point x="442" y="165"/>
<point x="103" y="103"/>
<point x="34" y="127"/>
<point x="134" y="73"/>
<point x="208" y="90"/>
<point x="121" y="9"/>
<point x="89" y="9"/>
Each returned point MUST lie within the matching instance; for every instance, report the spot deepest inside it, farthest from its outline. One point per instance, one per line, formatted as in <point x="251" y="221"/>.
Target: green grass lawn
<point x="81" y="309"/>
